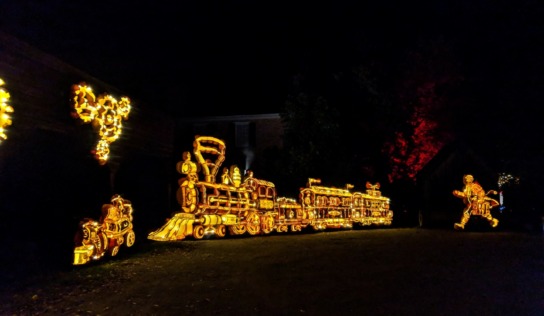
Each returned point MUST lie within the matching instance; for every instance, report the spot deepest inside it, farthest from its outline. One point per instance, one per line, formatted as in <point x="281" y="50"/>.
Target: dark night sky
<point x="221" y="57"/>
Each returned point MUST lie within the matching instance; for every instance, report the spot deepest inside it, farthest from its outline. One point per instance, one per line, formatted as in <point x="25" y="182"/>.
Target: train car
<point x="240" y="204"/>
<point x="328" y="207"/>
<point x="371" y="208"/>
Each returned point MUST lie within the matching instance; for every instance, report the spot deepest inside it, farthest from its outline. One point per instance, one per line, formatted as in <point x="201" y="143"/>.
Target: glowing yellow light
<point x="95" y="239"/>
<point x="250" y="205"/>
<point x="106" y="115"/>
<point x="5" y="110"/>
<point x="476" y="202"/>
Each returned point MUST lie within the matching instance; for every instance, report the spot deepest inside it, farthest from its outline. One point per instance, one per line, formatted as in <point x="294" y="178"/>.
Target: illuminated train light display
<point x="106" y="115"/>
<point x="246" y="205"/>
<point x="5" y="110"/>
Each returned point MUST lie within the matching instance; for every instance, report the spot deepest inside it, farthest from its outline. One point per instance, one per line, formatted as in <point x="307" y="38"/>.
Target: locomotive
<point x="242" y="204"/>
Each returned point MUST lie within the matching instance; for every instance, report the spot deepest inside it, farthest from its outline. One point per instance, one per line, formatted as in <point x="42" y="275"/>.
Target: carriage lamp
<point x="5" y="110"/>
<point x="106" y="115"/>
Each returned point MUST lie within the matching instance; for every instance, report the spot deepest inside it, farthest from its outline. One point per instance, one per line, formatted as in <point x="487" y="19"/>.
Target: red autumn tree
<point x="426" y="97"/>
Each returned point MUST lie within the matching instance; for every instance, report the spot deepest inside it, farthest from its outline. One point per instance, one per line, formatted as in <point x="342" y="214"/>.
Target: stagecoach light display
<point x="96" y="238"/>
<point x="5" y="110"/>
<point x="106" y="115"/>
<point x="250" y="205"/>
<point x="477" y="202"/>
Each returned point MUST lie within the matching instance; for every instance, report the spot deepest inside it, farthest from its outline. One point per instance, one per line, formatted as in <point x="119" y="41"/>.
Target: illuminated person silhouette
<point x="187" y="194"/>
<point x="225" y="177"/>
<point x="476" y="201"/>
<point x="248" y="175"/>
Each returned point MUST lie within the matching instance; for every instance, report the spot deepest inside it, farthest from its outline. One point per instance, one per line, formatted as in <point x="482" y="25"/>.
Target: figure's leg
<point x="464" y="220"/>
<point x="487" y="211"/>
<point x="492" y="221"/>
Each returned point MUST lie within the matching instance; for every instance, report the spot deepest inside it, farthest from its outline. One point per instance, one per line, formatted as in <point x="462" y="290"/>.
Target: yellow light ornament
<point x="240" y="205"/>
<point x="5" y="110"/>
<point x="105" y="114"/>
<point x="95" y="239"/>
<point x="476" y="202"/>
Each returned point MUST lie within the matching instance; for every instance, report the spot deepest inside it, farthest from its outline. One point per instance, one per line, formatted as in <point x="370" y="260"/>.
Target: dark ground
<point x="386" y="271"/>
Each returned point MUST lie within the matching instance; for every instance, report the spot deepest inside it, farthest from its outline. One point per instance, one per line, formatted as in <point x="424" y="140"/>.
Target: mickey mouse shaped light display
<point x="106" y="115"/>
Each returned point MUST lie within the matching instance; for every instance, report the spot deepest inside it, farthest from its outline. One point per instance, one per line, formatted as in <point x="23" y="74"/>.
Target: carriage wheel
<point x="103" y="244"/>
<point x="114" y="251"/>
<point x="221" y="231"/>
<point x="198" y="232"/>
<point x="131" y="238"/>
<point x="253" y="224"/>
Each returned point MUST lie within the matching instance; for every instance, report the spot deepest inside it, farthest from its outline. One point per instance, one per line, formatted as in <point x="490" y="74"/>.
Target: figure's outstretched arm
<point x="459" y="194"/>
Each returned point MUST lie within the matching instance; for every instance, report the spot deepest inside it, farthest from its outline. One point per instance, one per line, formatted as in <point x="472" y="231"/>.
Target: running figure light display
<point x="476" y="202"/>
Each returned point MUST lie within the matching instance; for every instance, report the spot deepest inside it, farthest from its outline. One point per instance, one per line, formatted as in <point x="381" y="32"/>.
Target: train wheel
<point x="221" y="231"/>
<point x="237" y="229"/>
<point x="267" y="224"/>
<point x="198" y="232"/>
<point x="131" y="238"/>
<point x="296" y="228"/>
<point x="253" y="224"/>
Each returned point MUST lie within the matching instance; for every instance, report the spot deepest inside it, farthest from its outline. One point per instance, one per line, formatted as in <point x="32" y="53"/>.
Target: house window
<point x="241" y="134"/>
